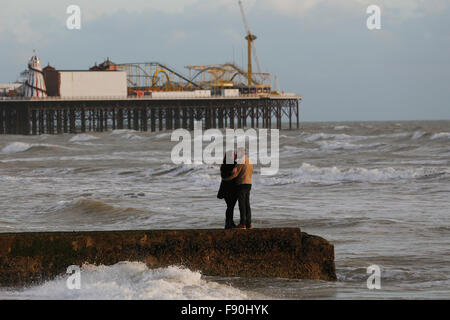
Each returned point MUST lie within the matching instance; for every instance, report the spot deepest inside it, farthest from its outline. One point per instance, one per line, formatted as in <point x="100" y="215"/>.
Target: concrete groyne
<point x="33" y="257"/>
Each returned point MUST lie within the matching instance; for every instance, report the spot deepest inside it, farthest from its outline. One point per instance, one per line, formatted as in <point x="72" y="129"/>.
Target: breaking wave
<point x="130" y="281"/>
<point x="308" y="173"/>
<point x="342" y="145"/>
<point x="127" y="134"/>
<point x="122" y="131"/>
<point x="181" y="170"/>
<point x="82" y="138"/>
<point x="17" y="147"/>
<point x="418" y="134"/>
<point x="395" y="135"/>
<point x="440" y="135"/>
<point x="131" y="136"/>
<point x="318" y="137"/>
<point x="336" y="136"/>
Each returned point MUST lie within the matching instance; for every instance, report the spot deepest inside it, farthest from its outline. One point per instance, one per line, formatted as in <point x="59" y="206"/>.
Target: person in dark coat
<point x="228" y="190"/>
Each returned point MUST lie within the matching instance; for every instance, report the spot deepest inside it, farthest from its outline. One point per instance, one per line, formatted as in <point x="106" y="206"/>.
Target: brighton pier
<point x="56" y="115"/>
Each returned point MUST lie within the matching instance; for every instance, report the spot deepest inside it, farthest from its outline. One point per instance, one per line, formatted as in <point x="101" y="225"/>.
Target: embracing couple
<point x="236" y="172"/>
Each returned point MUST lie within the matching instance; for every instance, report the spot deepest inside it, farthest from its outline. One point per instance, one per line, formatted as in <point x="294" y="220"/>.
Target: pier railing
<point x="149" y="97"/>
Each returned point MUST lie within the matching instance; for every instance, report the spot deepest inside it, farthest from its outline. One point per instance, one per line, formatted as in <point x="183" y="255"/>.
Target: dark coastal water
<point x="379" y="191"/>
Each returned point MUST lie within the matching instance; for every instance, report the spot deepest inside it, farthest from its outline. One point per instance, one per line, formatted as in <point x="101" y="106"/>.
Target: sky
<point x="320" y="49"/>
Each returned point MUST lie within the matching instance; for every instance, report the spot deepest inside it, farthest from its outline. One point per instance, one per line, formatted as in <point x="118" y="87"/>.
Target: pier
<point x="55" y="115"/>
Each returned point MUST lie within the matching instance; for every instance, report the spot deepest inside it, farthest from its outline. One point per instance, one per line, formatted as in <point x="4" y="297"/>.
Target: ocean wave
<point x="342" y="145"/>
<point x="171" y="170"/>
<point x="418" y="134"/>
<point x="17" y="147"/>
<point x="127" y="134"/>
<point x="164" y="135"/>
<point x="309" y="173"/>
<point x="316" y="137"/>
<point x="130" y="136"/>
<point x="183" y="170"/>
<point x="341" y="127"/>
<point x="336" y="136"/>
<point x="82" y="137"/>
<point x="440" y="135"/>
<point x="88" y="206"/>
<point x="290" y="150"/>
<point x="395" y="135"/>
<point x="122" y="131"/>
<point x="194" y="174"/>
<point x="130" y="281"/>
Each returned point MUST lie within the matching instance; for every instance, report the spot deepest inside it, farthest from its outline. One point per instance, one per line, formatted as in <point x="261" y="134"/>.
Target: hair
<point x="230" y="157"/>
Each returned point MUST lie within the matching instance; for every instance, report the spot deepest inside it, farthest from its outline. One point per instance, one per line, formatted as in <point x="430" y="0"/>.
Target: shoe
<point x="240" y="226"/>
<point x="249" y="226"/>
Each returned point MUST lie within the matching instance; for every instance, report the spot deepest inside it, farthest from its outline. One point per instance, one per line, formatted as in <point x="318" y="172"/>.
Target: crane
<point x="250" y="42"/>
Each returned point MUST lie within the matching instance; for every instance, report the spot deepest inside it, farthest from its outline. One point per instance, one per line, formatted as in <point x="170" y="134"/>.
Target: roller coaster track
<point x="124" y="66"/>
<point x="223" y="66"/>
<point x="179" y="75"/>
<point x="154" y="79"/>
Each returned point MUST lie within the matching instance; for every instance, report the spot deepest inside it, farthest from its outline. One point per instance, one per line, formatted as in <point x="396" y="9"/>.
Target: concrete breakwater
<point x="33" y="257"/>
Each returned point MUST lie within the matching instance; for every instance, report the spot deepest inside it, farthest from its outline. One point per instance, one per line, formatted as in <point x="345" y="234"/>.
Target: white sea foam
<point x="418" y="134"/>
<point x="130" y="136"/>
<point x="164" y="135"/>
<point x="342" y="145"/>
<point x="17" y="147"/>
<point x="335" y="136"/>
<point x="308" y="173"/>
<point x="395" y="135"/>
<point x="82" y="137"/>
<point x="291" y="150"/>
<point x="319" y="136"/>
<point x="130" y="281"/>
<point x="127" y="134"/>
<point x="122" y="131"/>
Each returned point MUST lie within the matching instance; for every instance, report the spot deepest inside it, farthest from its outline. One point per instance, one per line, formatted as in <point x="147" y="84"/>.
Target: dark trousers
<point x="231" y="202"/>
<point x="243" y="195"/>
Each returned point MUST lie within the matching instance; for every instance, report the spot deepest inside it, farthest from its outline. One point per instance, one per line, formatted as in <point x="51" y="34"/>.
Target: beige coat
<point x="242" y="173"/>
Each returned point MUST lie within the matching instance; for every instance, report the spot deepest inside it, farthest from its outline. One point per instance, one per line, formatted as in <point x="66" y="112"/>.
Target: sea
<point x="378" y="191"/>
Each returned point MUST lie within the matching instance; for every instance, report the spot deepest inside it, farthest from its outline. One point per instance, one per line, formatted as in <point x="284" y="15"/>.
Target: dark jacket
<point x="227" y="188"/>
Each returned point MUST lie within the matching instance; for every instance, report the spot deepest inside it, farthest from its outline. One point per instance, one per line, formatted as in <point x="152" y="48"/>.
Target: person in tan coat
<point x="242" y="175"/>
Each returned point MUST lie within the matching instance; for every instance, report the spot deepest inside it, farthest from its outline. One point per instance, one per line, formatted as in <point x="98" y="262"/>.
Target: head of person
<point x="230" y="157"/>
<point x="241" y="153"/>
